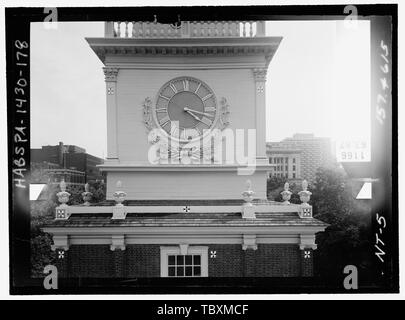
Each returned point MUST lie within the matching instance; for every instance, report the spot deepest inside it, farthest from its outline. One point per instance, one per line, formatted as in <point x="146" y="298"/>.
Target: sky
<point x="317" y="82"/>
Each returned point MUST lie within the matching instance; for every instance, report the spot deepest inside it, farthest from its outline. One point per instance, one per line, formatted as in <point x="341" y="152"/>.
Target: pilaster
<point x="62" y="262"/>
<point x="259" y="75"/>
<point x="307" y="262"/>
<point x="307" y="247"/>
<point x="111" y="90"/>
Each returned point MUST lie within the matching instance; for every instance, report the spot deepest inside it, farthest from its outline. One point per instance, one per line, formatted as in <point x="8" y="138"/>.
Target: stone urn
<point x="248" y="193"/>
<point x="63" y="195"/>
<point x="305" y="195"/>
<point x="86" y="195"/>
<point x="286" y="194"/>
<point x="119" y="196"/>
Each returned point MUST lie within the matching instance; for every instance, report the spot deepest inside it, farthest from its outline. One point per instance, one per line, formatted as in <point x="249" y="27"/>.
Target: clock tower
<point x="186" y="162"/>
<point x="190" y="95"/>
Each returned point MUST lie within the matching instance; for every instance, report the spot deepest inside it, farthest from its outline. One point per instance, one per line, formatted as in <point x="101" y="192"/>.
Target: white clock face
<point x="186" y="108"/>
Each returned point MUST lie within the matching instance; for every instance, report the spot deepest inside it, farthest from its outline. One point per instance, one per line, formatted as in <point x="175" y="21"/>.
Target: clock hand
<point x="206" y="121"/>
<point x="193" y="115"/>
<point x="198" y="112"/>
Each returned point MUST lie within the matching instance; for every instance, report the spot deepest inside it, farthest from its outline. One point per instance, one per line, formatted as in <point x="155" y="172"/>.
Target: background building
<point x="68" y="161"/>
<point x="286" y="162"/>
<point x="51" y="173"/>
<point x="300" y="156"/>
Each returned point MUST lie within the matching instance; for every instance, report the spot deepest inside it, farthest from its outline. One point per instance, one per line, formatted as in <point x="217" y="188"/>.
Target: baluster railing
<point x="188" y="29"/>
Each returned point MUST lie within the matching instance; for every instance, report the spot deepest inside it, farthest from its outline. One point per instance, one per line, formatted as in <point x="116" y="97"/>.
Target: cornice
<point x="265" y="46"/>
<point x="217" y="229"/>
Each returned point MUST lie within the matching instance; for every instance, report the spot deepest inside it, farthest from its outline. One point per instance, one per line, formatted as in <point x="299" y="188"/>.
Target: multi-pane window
<point x="293" y="168"/>
<point x="293" y="160"/>
<point x="184" y="261"/>
<point x="184" y="265"/>
<point x="294" y="175"/>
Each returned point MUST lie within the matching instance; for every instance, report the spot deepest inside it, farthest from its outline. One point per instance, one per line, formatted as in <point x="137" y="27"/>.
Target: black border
<point x="18" y="27"/>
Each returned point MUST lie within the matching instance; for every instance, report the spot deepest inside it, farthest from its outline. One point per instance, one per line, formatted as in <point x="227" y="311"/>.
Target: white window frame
<point x="165" y="252"/>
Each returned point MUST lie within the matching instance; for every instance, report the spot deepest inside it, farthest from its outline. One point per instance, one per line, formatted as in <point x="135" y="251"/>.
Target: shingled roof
<point x="186" y="219"/>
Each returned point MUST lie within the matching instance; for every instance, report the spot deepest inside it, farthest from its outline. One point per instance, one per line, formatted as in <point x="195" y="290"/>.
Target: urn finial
<point x="304" y="185"/>
<point x="119" y="196"/>
<point x="62" y="185"/>
<point x="63" y="195"/>
<point x="286" y="193"/>
<point x="248" y="193"/>
<point x="305" y="195"/>
<point x="86" y="195"/>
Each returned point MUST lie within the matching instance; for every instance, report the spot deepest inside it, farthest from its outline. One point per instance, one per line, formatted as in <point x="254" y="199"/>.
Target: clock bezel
<point x="207" y="131"/>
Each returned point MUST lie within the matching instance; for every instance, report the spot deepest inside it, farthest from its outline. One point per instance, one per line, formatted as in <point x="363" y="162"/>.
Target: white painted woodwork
<point x="134" y="85"/>
<point x="185" y="185"/>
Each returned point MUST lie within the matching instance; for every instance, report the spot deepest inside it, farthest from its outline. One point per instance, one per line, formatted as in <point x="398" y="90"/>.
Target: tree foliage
<point x="276" y="184"/>
<point x="346" y="240"/>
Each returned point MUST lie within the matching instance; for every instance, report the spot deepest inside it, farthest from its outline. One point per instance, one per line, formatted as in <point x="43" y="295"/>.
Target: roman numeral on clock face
<point x="164" y="110"/>
<point x="186" y="85"/>
<point x="207" y="97"/>
<point x="209" y="109"/>
<point x="173" y="87"/>
<point x="164" y="97"/>
<point x="198" y="87"/>
<point x="164" y="121"/>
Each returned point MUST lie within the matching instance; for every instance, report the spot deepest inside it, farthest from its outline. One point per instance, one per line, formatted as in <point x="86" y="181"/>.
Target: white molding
<point x="119" y="212"/>
<point x="110" y="74"/>
<point x="183" y="248"/>
<point x="166" y="251"/>
<point x="249" y="242"/>
<point x="117" y="242"/>
<point x="178" y="167"/>
<point x="221" y="229"/>
<point x="307" y="241"/>
<point x="196" y="66"/>
<point x="60" y="242"/>
<point x="183" y="239"/>
<point x="259" y="208"/>
<point x="248" y="211"/>
<point x="107" y="49"/>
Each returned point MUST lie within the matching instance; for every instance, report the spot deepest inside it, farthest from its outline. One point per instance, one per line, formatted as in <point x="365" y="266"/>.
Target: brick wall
<point x="228" y="262"/>
<point x="269" y="260"/>
<point x="142" y="261"/>
<point x="90" y="261"/>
